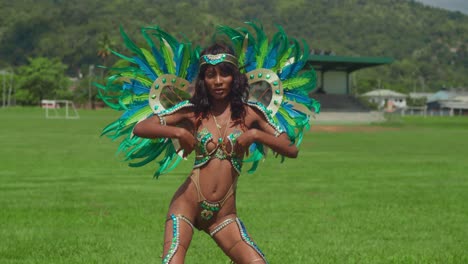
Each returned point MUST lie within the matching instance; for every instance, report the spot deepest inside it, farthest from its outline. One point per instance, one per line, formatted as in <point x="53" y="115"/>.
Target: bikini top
<point x="204" y="137"/>
<point x="203" y="155"/>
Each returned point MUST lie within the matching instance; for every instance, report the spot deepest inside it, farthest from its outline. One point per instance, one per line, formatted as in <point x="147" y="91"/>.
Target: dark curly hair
<point x="239" y="90"/>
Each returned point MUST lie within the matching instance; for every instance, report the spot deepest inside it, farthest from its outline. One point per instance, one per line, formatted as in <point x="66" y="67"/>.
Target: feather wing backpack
<point x="155" y="80"/>
<point x="279" y="87"/>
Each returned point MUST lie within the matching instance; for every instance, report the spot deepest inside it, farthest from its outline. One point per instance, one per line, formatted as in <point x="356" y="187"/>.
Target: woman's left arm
<point x="265" y="134"/>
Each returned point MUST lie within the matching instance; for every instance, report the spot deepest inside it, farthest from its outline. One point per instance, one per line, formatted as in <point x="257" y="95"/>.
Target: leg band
<point x="186" y="220"/>
<point x="175" y="236"/>
<point x="248" y="240"/>
<point x="222" y="225"/>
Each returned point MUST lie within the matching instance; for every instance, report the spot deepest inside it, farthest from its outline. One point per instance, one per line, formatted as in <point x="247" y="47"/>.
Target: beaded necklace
<point x="221" y="152"/>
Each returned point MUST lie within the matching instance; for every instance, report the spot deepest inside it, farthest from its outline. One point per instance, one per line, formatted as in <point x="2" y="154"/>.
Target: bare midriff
<point x="216" y="178"/>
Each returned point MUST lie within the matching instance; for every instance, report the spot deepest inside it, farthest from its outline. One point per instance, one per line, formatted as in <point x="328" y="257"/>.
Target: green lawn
<point x="392" y="193"/>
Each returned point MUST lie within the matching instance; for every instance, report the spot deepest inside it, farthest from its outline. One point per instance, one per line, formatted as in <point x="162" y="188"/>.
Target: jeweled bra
<point x="202" y="157"/>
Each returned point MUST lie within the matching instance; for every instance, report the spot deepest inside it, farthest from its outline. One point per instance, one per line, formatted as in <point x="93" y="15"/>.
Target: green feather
<point x="171" y="41"/>
<point x="106" y="98"/>
<point x="261" y="47"/>
<point x="283" y="48"/>
<point x="138" y="77"/>
<point x="111" y="127"/>
<point x="139" y="115"/>
<point x="283" y="59"/>
<point x="122" y="56"/>
<point x="168" y="56"/>
<point x="302" y="84"/>
<point x="295" y="82"/>
<point x="234" y="35"/>
<point x="151" y="61"/>
<point x="185" y="52"/>
<point x="146" y="36"/>
<point x="129" y="43"/>
<point x="243" y="50"/>
<point x="305" y="52"/>
<point x="132" y="98"/>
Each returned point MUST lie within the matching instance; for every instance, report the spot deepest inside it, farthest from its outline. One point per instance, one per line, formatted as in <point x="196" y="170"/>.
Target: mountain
<point x="453" y="5"/>
<point x="430" y="45"/>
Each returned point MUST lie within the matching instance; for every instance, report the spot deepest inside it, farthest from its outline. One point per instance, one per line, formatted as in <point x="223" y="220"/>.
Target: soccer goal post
<point x="59" y="109"/>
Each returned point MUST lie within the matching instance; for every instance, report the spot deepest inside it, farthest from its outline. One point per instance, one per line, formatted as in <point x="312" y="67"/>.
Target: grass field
<point x="388" y="193"/>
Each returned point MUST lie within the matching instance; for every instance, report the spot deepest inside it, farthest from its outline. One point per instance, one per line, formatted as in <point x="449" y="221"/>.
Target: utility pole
<point x="10" y="88"/>
<point x="3" y="89"/>
<point x="90" y="76"/>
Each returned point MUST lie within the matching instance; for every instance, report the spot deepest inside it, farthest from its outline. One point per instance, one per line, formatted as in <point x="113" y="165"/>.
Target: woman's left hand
<point x="244" y="141"/>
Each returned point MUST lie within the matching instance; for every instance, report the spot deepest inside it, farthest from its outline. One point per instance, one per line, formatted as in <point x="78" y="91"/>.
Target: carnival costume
<point x="156" y="81"/>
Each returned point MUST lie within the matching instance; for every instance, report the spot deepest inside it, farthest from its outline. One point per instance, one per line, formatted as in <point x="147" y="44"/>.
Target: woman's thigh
<point x="179" y="227"/>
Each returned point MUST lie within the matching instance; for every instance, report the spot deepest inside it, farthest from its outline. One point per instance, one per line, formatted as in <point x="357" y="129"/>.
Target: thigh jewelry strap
<point x="248" y="240"/>
<point x="186" y="220"/>
<point x="222" y="225"/>
<point x="175" y="235"/>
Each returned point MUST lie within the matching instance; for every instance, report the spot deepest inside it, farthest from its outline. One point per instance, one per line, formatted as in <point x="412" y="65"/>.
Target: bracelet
<point x="162" y="120"/>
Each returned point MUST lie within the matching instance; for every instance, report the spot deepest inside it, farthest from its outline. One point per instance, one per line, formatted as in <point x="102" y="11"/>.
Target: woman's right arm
<point x="152" y="128"/>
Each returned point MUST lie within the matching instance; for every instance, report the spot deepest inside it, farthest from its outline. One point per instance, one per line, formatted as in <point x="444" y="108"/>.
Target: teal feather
<point x="129" y="43"/>
<point x="236" y="37"/>
<point x="107" y="99"/>
<point x="123" y="56"/>
<point x="255" y="158"/>
<point x="262" y="45"/>
<point x="146" y="36"/>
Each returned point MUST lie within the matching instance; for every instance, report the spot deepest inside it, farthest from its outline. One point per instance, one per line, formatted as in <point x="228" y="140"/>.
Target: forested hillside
<point x="430" y="45"/>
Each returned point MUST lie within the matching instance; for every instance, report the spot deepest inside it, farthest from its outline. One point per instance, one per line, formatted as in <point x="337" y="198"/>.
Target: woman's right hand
<point x="186" y="140"/>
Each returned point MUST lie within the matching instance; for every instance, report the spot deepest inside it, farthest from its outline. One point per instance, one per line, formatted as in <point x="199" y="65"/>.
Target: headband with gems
<point x="214" y="59"/>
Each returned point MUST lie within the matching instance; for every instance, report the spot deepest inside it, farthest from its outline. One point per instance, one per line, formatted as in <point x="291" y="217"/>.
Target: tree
<point x="40" y="79"/>
<point x="105" y="44"/>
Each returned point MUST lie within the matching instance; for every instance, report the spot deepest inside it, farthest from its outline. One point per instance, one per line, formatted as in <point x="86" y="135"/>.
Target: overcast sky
<point x="455" y="5"/>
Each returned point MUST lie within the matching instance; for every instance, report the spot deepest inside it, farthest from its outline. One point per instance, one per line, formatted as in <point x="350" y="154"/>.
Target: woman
<point x="220" y="126"/>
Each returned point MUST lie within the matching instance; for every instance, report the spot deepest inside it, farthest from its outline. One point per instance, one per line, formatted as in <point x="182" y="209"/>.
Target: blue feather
<point x="270" y="60"/>
<point x="146" y="68"/>
<point x="136" y="87"/>
<point x="160" y="59"/>
<point x="133" y="109"/>
<point x="280" y="121"/>
<point x="250" y="63"/>
<point x="251" y="66"/>
<point x="286" y="127"/>
<point x="298" y="98"/>
<point x="253" y="147"/>
<point x="290" y="110"/>
<point x="296" y="68"/>
<point x="285" y="72"/>
<point x="192" y="72"/>
<point x="291" y="70"/>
